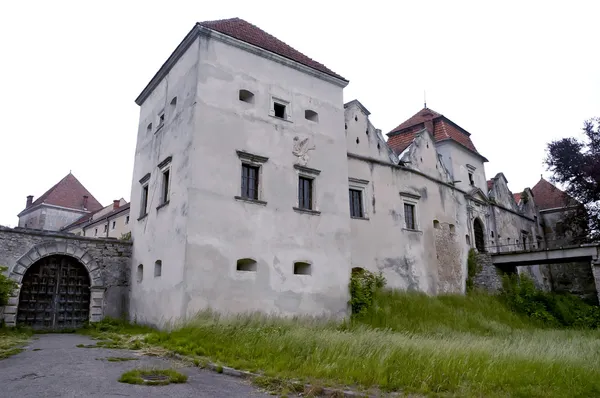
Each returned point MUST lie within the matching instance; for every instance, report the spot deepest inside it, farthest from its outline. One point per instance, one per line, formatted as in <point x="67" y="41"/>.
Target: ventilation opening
<point x="378" y="146"/>
<point x="346" y="126"/>
<point x="367" y="132"/>
<point x="302" y="268"/>
<point x="356" y="118"/>
<point x="452" y="228"/>
<point x="158" y="268"/>
<point x="436" y="224"/>
<point x="149" y="127"/>
<point x="174" y="101"/>
<point x="468" y="240"/>
<point x="311" y="115"/>
<point x="357" y="140"/>
<point x="246" y="264"/>
<point x="246" y="96"/>
<point x="140" y="273"/>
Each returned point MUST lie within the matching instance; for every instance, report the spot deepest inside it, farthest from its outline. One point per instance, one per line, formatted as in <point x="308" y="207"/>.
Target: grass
<point x="120" y="359"/>
<point x="11" y="341"/>
<point x="137" y="376"/>
<point x="467" y="346"/>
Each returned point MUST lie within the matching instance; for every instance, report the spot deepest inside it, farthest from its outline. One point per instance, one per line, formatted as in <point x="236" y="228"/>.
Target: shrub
<point x="473" y="268"/>
<point x="7" y="286"/>
<point x="363" y="286"/>
<point x="521" y="295"/>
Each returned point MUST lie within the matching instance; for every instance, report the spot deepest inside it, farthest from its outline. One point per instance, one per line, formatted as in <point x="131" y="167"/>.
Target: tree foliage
<point x="575" y="164"/>
<point x="363" y="287"/>
<point x="7" y="286"/>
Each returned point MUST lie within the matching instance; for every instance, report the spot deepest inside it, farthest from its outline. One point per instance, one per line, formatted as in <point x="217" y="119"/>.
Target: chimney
<point x="116" y="204"/>
<point x="29" y="201"/>
<point x="85" y="198"/>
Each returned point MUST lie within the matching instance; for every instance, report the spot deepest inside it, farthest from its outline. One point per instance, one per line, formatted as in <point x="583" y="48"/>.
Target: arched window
<point x="246" y="264"/>
<point x="140" y="273"/>
<point x="479" y="236"/>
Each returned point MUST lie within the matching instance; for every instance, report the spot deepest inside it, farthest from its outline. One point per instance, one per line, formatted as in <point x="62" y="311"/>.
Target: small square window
<point x="114" y="224"/>
<point x="279" y="110"/>
<point x="105" y="227"/>
<point x="356" y="203"/>
<point x="250" y="181"/>
<point x="409" y="216"/>
<point x="127" y="220"/>
<point x="305" y="193"/>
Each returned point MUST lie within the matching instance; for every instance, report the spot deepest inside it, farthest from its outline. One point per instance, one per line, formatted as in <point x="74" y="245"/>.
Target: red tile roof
<point x="246" y="32"/>
<point x="69" y="193"/>
<point x="87" y="218"/>
<point x="443" y="129"/>
<point x="517" y="197"/>
<point x="547" y="196"/>
<point x="490" y="184"/>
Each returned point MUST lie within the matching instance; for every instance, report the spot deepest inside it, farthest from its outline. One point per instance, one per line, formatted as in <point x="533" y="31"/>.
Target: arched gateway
<point x="55" y="294"/>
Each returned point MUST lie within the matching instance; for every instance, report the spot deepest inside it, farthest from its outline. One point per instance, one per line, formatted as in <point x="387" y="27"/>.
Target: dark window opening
<point x="161" y="119"/>
<point x="471" y="181"/>
<point x="311" y="115"/>
<point x="158" y="268"/>
<point x="302" y="268"/>
<point x="127" y="220"/>
<point x="114" y="224"/>
<point x="174" y="101"/>
<point x="246" y="96"/>
<point x="149" y="128"/>
<point x="140" y="273"/>
<point x="409" y="216"/>
<point x="356" y="207"/>
<point x="305" y="193"/>
<point x="250" y="182"/>
<point x="479" y="235"/>
<point x="452" y="228"/>
<point x="436" y="224"/>
<point x="246" y="264"/>
<point x="144" y="206"/>
<point x="165" y="186"/>
<point x="279" y="110"/>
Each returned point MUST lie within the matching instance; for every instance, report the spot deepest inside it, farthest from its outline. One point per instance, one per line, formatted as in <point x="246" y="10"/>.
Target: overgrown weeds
<point x="153" y="377"/>
<point x="12" y="340"/>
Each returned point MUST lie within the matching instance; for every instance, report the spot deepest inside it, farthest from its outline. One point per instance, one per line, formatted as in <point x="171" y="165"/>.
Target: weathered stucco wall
<point x="49" y="218"/>
<point x="106" y="260"/>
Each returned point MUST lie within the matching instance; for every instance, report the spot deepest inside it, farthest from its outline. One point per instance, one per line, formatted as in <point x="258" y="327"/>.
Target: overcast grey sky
<point x="515" y="74"/>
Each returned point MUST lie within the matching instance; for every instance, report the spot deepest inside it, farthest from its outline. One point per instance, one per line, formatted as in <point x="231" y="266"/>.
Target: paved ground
<point x="57" y="368"/>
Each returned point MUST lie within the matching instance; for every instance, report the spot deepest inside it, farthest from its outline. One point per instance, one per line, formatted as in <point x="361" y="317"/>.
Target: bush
<point x="473" y="268"/>
<point x="363" y="286"/>
<point x="7" y="286"/>
<point x="521" y="295"/>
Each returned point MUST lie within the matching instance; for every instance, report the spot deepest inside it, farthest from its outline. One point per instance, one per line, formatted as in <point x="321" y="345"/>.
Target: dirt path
<point x="53" y="366"/>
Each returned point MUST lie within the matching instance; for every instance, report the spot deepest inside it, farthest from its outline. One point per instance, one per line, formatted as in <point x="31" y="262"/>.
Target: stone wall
<point x="574" y="278"/>
<point x="107" y="261"/>
<point x="489" y="277"/>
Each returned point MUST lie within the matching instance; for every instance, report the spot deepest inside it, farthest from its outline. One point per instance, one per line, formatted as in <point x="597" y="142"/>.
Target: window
<point x="158" y="268"/>
<point x="250" y="182"/>
<point x="105" y="227"/>
<point x="246" y="264"/>
<point x="251" y="177"/>
<point x="149" y="128"/>
<point x="173" y="102"/>
<point x="311" y="115"/>
<point x="280" y="109"/>
<point x="356" y="203"/>
<point x="165" y="186"/>
<point x="114" y="224"/>
<point x="305" y="193"/>
<point x="436" y="224"/>
<point x="302" y="268"/>
<point x="479" y="235"/>
<point x="246" y="96"/>
<point x="96" y="232"/>
<point x="161" y="120"/>
<point x="144" y="201"/>
<point x="471" y="181"/>
<point x="127" y="220"/>
<point x="409" y="216"/>
<point x="140" y="273"/>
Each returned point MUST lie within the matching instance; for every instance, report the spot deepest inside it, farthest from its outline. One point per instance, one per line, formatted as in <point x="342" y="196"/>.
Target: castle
<point x="256" y="188"/>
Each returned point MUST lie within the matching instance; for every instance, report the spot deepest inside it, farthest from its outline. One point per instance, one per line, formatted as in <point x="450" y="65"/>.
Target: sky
<point x="515" y="74"/>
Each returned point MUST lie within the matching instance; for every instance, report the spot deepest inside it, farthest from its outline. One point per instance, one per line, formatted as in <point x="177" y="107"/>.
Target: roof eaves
<point x="483" y="158"/>
<point x="359" y="104"/>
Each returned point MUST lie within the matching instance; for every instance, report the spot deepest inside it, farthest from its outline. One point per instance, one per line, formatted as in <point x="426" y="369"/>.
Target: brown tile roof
<point x="443" y="129"/>
<point x="547" y="196"/>
<point x="87" y="218"/>
<point x="246" y="32"/>
<point x="69" y="193"/>
<point x="517" y="197"/>
<point x="490" y="184"/>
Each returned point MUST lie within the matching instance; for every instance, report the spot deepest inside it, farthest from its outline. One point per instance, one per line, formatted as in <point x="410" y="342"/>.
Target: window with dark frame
<point x="356" y="208"/>
<point x="305" y="193"/>
<point x="144" y="206"/>
<point x="471" y="181"/>
<point x="165" y="186"/>
<point x="409" y="216"/>
<point x="250" y="181"/>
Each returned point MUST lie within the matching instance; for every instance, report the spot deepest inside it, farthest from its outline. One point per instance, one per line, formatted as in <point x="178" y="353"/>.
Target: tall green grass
<point x="442" y="346"/>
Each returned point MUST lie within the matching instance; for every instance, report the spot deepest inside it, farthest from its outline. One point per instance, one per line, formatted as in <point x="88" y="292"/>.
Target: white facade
<point x="200" y="244"/>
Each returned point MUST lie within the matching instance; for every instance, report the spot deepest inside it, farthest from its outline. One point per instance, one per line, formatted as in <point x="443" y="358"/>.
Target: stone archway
<point x="39" y="255"/>
<point x="478" y="231"/>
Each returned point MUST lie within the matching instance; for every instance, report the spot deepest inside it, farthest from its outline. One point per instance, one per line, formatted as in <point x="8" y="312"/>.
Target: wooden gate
<point x="55" y="294"/>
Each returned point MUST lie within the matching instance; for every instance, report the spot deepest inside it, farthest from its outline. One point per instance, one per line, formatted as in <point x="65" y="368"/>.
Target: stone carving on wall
<point x="301" y="149"/>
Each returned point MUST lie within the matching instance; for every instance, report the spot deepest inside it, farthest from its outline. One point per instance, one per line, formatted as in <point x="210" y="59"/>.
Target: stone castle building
<point x="256" y="188"/>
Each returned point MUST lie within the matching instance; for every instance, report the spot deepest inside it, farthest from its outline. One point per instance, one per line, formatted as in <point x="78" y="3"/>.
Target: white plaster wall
<point x="456" y="158"/>
<point x="49" y="218"/>
<point x="161" y="235"/>
<point x="221" y="230"/>
<point x="370" y="141"/>
<point x="408" y="259"/>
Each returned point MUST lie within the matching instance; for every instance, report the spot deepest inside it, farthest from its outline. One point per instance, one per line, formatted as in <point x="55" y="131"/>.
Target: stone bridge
<point x="63" y="280"/>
